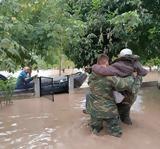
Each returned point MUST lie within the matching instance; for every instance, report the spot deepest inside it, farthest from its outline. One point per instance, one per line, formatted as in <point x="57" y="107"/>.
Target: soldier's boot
<point x="84" y="111"/>
<point x="96" y="125"/>
<point x="124" y="112"/>
<point x="96" y="130"/>
<point x="113" y="127"/>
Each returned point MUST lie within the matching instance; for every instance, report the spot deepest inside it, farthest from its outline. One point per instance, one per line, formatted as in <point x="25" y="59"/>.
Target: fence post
<point x="158" y="84"/>
<point x="37" y="87"/>
<point x="71" y="83"/>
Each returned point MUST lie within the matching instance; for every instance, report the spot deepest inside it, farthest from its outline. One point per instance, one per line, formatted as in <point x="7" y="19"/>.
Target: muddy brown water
<point x="39" y="123"/>
<point x="152" y="76"/>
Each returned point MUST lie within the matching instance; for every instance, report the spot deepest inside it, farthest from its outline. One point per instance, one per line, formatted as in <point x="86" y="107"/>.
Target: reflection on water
<point x="83" y="103"/>
<point x="136" y="107"/>
<point x="42" y="124"/>
<point x="19" y="134"/>
<point x="138" y="104"/>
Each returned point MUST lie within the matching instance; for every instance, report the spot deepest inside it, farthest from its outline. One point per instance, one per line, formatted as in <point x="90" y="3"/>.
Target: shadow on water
<point x="41" y="123"/>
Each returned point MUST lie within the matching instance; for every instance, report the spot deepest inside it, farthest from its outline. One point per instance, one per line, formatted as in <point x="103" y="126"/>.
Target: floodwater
<point x="39" y="123"/>
<point x="152" y="76"/>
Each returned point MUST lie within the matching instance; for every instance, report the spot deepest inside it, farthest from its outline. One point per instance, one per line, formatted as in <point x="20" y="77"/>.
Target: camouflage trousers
<point x="131" y="97"/>
<point x="112" y="125"/>
<point x="105" y="111"/>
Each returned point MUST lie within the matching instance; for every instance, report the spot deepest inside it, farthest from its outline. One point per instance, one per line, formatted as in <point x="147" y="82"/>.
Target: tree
<point x="12" y="52"/>
<point x="30" y="29"/>
<point x="153" y="62"/>
<point x="111" y="26"/>
<point x="80" y="29"/>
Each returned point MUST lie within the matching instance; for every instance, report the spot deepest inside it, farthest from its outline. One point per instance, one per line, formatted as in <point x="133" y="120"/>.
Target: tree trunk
<point x="60" y="65"/>
<point x="150" y="68"/>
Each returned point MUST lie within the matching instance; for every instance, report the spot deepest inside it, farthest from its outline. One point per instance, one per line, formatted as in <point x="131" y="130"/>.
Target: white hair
<point x="124" y="52"/>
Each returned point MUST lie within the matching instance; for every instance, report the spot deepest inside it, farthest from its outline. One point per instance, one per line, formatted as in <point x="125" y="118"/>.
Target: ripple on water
<point x="11" y="132"/>
<point x="7" y="139"/>
<point x="14" y="124"/>
<point x="50" y="130"/>
<point x="14" y="116"/>
<point x="137" y="106"/>
<point x="38" y="117"/>
<point x="3" y="134"/>
<point x="44" y="137"/>
<point x="41" y="137"/>
<point x="18" y="140"/>
<point x="81" y="105"/>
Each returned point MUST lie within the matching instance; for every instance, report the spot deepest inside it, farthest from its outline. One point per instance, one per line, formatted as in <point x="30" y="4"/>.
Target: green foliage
<point x="113" y="25"/>
<point x="32" y="28"/>
<point x="153" y="62"/>
<point x="80" y="29"/>
<point x="6" y="88"/>
<point x="13" y="52"/>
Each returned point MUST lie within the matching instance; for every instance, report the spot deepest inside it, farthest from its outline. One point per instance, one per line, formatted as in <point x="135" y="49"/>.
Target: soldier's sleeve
<point x="104" y="71"/>
<point x="140" y="70"/>
<point x="121" y="84"/>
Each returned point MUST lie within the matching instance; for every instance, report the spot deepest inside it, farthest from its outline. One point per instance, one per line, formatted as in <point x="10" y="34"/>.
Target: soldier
<point x="100" y="102"/>
<point x="124" y="66"/>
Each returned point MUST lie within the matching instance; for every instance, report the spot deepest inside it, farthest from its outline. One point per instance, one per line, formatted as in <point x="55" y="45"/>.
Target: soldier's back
<point x="100" y="86"/>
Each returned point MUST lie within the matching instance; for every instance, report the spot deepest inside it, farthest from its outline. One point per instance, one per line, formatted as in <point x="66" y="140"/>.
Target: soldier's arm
<point x="105" y="71"/>
<point x="139" y="69"/>
<point x="121" y="84"/>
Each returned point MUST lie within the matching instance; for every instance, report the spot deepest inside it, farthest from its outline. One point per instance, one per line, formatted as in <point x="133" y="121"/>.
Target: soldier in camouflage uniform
<point x="126" y="65"/>
<point x="100" y="103"/>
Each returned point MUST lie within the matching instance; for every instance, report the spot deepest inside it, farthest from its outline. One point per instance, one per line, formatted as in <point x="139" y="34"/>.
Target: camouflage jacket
<point x="100" y="101"/>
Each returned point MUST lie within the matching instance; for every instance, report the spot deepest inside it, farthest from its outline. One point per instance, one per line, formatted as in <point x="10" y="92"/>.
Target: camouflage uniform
<point x="130" y="96"/>
<point x="100" y="103"/>
<point x="123" y="67"/>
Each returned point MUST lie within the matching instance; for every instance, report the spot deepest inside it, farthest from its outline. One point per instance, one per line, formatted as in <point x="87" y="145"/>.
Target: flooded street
<point x="152" y="76"/>
<point x="43" y="124"/>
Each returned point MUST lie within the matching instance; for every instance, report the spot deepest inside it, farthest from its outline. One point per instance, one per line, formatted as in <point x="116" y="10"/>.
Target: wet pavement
<point x="39" y="123"/>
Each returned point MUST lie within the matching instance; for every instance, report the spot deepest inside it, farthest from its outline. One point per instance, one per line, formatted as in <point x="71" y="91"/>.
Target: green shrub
<point x="7" y="88"/>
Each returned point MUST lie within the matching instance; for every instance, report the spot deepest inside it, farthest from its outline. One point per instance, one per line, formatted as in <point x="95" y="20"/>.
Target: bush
<point x="7" y="88"/>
